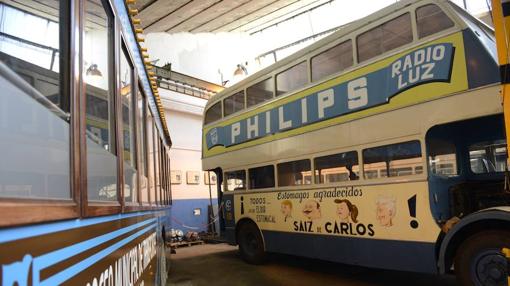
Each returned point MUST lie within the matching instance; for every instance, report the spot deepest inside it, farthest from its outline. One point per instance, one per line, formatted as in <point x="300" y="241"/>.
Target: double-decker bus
<point x="380" y="145"/>
<point x="84" y="167"/>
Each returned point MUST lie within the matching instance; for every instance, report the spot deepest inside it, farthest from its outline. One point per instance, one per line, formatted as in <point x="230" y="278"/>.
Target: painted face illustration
<point x="343" y="212"/>
<point x="286" y="209"/>
<point x="311" y="210"/>
<point x="385" y="214"/>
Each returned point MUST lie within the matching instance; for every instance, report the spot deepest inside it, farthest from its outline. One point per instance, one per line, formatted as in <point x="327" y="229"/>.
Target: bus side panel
<point x="386" y="254"/>
<point x="110" y="250"/>
<point x="228" y="223"/>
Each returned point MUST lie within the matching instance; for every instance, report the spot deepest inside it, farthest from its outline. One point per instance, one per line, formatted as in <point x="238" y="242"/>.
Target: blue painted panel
<point x="386" y="254"/>
<point x="183" y="218"/>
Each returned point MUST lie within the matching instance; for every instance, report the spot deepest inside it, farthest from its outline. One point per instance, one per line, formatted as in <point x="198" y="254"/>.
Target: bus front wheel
<point x="251" y="245"/>
<point x="479" y="261"/>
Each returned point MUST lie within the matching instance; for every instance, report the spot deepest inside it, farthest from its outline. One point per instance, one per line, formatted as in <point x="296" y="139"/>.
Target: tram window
<point x="431" y="19"/>
<point x="292" y="79"/>
<point x="261" y="177"/>
<point x="294" y="173"/>
<point x="488" y="157"/>
<point x="337" y="167"/>
<point x="128" y="126"/>
<point x="332" y="61"/>
<point x="98" y="65"/>
<point x="259" y="92"/>
<point x="233" y="103"/>
<point x="236" y="180"/>
<point x="34" y="128"/>
<point x="213" y="113"/>
<point x="442" y="158"/>
<point x="142" y="146"/>
<point x="392" y="160"/>
<point x="386" y="37"/>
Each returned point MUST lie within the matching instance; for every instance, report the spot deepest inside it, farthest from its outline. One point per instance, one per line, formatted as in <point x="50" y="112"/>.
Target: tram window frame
<point x="19" y="211"/>
<point x="376" y="38"/>
<point x="326" y="56"/>
<point x="437" y="21"/>
<point x="268" y="184"/>
<point x="216" y="116"/>
<point x="234" y="98"/>
<point x="290" y="77"/>
<point x="391" y="153"/>
<point x="337" y="160"/>
<point x="292" y="168"/>
<point x="259" y="100"/>
<point x="242" y="173"/>
<point x="143" y="164"/>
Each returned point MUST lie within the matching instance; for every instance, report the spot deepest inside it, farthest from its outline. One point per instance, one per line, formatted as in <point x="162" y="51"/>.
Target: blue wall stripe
<point x="55" y="257"/>
<point x="84" y="264"/>
<point x="16" y="233"/>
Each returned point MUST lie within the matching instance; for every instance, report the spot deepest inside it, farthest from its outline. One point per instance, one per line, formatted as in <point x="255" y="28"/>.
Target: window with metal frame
<point x="393" y="160"/>
<point x="292" y="78"/>
<point x="337" y="167"/>
<point x="332" y="61"/>
<point x="213" y="113"/>
<point x="386" y="37"/>
<point x="259" y="92"/>
<point x="294" y="173"/>
<point x="430" y="19"/>
<point x="261" y="177"/>
<point x="233" y="103"/>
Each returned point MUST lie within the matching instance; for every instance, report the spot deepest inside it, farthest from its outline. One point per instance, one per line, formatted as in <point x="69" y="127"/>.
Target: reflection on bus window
<point x="392" y="160"/>
<point x="236" y="180"/>
<point x="488" y="157"/>
<point x="261" y="177"/>
<point x="388" y="36"/>
<point x="294" y="173"/>
<point x="332" y="61"/>
<point x="233" y="103"/>
<point x="98" y="60"/>
<point x="442" y="158"/>
<point x="128" y="126"/>
<point x="213" y="113"/>
<point x="431" y="19"/>
<point x="259" y="92"/>
<point x="337" y="168"/>
<point x="292" y="79"/>
<point x="29" y="45"/>
<point x="34" y="129"/>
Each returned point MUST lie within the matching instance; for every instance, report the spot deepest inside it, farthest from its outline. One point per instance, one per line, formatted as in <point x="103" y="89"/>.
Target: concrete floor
<point x="220" y="264"/>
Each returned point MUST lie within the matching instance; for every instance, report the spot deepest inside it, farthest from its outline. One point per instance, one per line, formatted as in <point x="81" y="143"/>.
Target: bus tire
<point x="479" y="261"/>
<point x="251" y="245"/>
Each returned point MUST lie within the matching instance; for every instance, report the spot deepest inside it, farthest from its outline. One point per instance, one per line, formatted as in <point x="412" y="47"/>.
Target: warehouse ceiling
<point x="202" y="16"/>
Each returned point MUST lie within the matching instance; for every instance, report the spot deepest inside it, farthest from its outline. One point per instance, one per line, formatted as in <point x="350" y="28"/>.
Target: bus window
<point x="213" y="113"/>
<point x="442" y="158"/>
<point x="337" y="167"/>
<point x="488" y="157"/>
<point x="261" y="177"/>
<point x="294" y="173"/>
<point x="259" y="92"/>
<point x="236" y="180"/>
<point x="332" y="61"/>
<point x="292" y="79"/>
<point x="431" y="19"/>
<point x="98" y="58"/>
<point x="392" y="160"/>
<point x="233" y="103"/>
<point x="386" y="37"/>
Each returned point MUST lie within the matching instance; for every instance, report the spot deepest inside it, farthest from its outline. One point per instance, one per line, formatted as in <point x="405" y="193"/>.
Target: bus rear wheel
<point x="479" y="261"/>
<point x="251" y="245"/>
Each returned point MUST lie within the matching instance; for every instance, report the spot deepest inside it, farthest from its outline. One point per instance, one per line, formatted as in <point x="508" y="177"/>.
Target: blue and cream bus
<point x="380" y="145"/>
<point x="84" y="168"/>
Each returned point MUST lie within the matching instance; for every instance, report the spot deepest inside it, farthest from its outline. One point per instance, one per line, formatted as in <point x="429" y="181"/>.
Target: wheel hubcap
<point x="489" y="269"/>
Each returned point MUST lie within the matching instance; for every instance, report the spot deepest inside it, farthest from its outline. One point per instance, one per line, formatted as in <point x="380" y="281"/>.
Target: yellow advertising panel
<point x="398" y="211"/>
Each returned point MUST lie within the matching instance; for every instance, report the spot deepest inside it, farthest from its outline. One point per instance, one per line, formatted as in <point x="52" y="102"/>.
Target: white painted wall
<point x="184" y="119"/>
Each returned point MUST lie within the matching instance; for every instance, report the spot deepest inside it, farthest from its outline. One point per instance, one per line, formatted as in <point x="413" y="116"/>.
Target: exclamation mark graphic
<point x="412" y="211"/>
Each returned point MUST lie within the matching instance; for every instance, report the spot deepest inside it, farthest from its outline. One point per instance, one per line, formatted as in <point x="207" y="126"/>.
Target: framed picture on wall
<point x="206" y="178"/>
<point x="193" y="177"/>
<point x="176" y="177"/>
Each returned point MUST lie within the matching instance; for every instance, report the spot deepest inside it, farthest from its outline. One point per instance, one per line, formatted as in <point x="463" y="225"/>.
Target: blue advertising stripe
<point x="68" y="273"/>
<point x="427" y="64"/>
<point x="57" y="256"/>
<point x="12" y="234"/>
